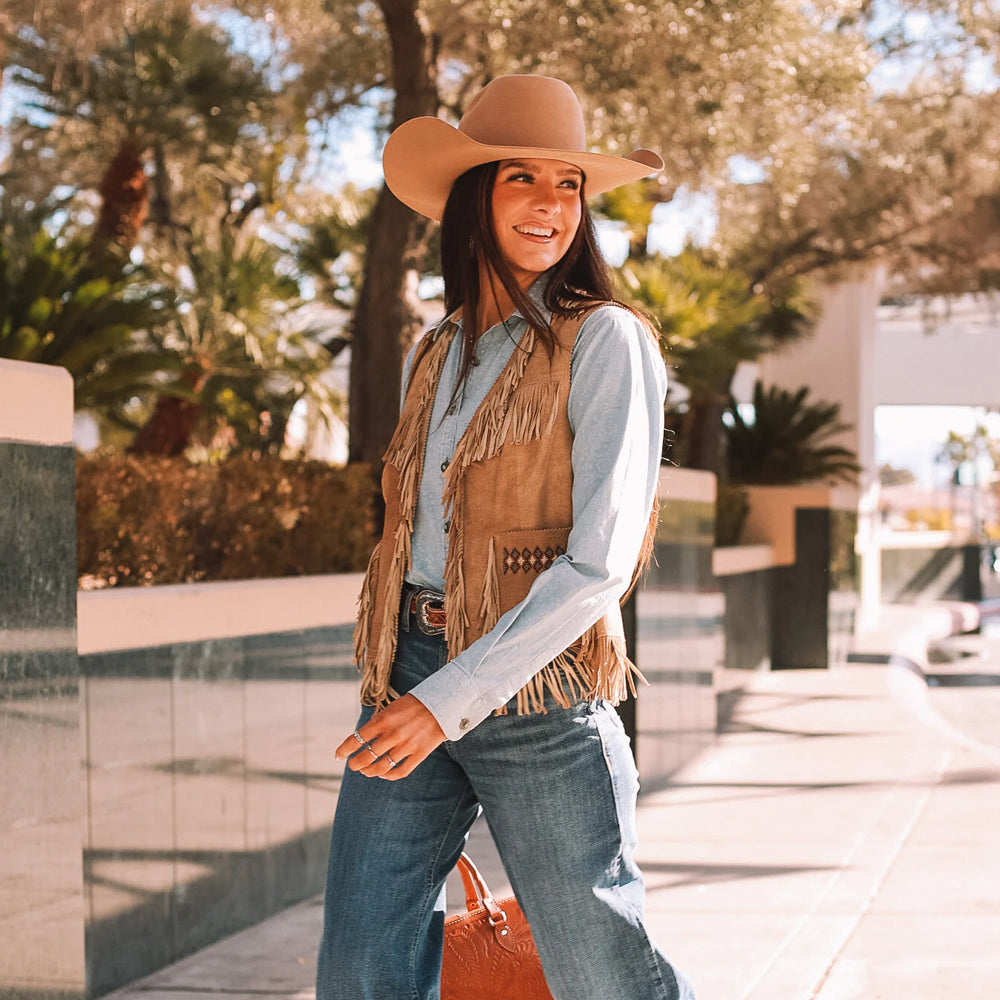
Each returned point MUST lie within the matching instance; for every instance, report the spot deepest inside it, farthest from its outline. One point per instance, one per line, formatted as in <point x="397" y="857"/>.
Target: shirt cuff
<point x="453" y="699"/>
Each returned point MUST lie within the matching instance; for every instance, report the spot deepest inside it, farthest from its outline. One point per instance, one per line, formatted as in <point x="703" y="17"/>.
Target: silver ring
<point x="375" y="754"/>
<point x="390" y="760"/>
<point x="357" y="736"/>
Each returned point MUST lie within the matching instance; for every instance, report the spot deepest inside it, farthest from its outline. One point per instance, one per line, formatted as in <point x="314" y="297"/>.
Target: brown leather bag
<point x="489" y="953"/>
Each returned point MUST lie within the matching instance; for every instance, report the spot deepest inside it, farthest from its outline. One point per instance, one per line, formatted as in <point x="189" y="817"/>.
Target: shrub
<point x="154" y="520"/>
<point x="788" y="441"/>
<point x="732" y="507"/>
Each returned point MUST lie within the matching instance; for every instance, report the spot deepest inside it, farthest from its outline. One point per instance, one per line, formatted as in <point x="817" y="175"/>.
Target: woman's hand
<point x="400" y="737"/>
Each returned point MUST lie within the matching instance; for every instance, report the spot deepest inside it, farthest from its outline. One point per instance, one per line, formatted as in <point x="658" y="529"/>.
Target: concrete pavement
<point x="841" y="841"/>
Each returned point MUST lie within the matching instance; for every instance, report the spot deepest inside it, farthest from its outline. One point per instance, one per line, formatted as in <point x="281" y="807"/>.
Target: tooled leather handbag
<point x="489" y="953"/>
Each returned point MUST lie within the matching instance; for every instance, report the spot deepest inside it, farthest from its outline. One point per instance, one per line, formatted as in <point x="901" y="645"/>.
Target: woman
<point x="519" y="487"/>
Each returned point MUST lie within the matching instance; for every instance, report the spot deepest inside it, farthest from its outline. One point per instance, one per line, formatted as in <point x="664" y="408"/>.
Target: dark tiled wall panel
<point x="748" y="620"/>
<point x="931" y="574"/>
<point x="680" y="645"/>
<point x="41" y="805"/>
<point x="211" y="787"/>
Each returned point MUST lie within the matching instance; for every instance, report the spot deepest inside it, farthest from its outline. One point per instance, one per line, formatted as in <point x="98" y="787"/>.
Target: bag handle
<point x="477" y="892"/>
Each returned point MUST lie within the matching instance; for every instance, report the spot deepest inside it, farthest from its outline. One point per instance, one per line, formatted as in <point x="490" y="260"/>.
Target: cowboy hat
<point x="512" y="117"/>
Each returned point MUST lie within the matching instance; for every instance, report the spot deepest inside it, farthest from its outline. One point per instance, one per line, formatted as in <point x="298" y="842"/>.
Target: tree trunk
<point x="168" y="431"/>
<point x="383" y="321"/>
<point x="124" y="194"/>
<point x="702" y="444"/>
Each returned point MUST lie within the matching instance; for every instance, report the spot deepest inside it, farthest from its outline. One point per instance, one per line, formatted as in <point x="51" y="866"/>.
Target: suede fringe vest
<point x="508" y="494"/>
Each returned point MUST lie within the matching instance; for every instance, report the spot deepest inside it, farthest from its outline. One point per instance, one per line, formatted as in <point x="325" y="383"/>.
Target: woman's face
<point x="536" y="213"/>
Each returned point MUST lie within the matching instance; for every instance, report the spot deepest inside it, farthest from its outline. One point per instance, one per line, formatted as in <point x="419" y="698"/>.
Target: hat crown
<point x="532" y="111"/>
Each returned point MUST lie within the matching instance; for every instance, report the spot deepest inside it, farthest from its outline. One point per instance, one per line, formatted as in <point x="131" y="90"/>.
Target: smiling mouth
<point x="543" y="232"/>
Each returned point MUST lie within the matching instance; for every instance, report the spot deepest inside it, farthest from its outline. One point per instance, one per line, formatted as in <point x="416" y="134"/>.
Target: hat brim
<point x="425" y="156"/>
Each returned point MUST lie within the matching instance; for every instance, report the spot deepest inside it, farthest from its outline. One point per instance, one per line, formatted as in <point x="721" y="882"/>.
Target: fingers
<point x="381" y="761"/>
<point x="390" y="766"/>
<point x="352" y="744"/>
<point x="393" y="742"/>
<point x="359" y="743"/>
<point x="369" y="762"/>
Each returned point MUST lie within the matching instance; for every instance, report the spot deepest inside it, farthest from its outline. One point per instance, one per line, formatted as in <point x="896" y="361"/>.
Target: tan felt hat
<point x="512" y="117"/>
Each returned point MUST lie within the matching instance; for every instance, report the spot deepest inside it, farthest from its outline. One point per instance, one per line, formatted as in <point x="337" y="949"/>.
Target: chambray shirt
<point x="617" y="387"/>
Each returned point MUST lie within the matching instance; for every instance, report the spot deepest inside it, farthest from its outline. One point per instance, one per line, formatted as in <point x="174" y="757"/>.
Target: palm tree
<point x="788" y="441"/>
<point x="238" y="346"/>
<point x="711" y="320"/>
<point x="59" y="306"/>
<point x="166" y="86"/>
<point x="330" y="254"/>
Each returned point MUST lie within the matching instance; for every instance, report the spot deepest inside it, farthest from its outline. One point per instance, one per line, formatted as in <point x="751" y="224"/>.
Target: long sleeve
<point x="617" y="389"/>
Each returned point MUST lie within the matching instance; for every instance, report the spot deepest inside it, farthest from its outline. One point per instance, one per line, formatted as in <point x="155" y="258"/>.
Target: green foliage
<point x="708" y="316"/>
<point x="732" y="507"/>
<point x="231" y="116"/>
<point x="632" y="205"/>
<point x="60" y="307"/>
<point x="711" y="318"/>
<point x="331" y="253"/>
<point x="238" y="337"/>
<point x="891" y="475"/>
<point x="162" y="77"/>
<point x="156" y="520"/>
<point x="788" y="441"/>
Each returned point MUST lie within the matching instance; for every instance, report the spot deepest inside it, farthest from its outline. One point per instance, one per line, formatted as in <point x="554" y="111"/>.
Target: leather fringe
<point x="457" y="620"/>
<point x="596" y="666"/>
<point x="366" y="607"/>
<point x="615" y="674"/>
<point x="406" y="452"/>
<point x="530" y="416"/>
<point x="482" y="439"/>
<point x="490" y="427"/>
<point x="489" y="610"/>
<point x="375" y="686"/>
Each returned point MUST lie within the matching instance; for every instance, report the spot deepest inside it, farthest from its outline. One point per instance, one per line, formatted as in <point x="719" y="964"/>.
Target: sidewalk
<point x="834" y="845"/>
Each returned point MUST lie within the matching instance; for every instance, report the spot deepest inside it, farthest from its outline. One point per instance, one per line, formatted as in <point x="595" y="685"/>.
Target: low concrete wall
<point x="745" y="577"/>
<point x="930" y="566"/>
<point x="744" y="572"/>
<point x="679" y="610"/>
<point x="814" y="581"/>
<point x="211" y="714"/>
<point x="41" y="807"/>
<point x="140" y="617"/>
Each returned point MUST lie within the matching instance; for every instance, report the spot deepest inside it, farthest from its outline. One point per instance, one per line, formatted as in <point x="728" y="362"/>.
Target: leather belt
<point x="427" y="610"/>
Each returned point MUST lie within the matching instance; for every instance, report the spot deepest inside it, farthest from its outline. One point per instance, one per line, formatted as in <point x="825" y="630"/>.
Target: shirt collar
<point x="537" y="295"/>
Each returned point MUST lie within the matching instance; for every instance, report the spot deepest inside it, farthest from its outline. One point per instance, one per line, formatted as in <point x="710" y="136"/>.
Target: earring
<point x="472" y="246"/>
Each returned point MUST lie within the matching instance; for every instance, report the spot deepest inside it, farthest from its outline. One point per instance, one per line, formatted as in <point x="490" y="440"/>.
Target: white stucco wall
<point x="946" y="354"/>
<point x="838" y="361"/>
<point x="36" y="403"/>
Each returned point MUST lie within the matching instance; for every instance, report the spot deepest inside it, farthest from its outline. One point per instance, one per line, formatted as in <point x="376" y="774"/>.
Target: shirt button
<point x="463" y="725"/>
<point x="444" y="466"/>
<point x="451" y="411"/>
<point x="474" y="362"/>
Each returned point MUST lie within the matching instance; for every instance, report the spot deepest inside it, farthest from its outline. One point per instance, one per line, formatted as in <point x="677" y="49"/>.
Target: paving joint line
<point x="901" y="842"/>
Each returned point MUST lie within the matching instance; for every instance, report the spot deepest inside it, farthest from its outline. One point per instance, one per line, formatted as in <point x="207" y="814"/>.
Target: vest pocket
<point x="518" y="557"/>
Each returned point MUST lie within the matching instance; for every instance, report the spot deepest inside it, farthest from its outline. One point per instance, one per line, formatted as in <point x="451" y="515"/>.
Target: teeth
<point x="535" y="231"/>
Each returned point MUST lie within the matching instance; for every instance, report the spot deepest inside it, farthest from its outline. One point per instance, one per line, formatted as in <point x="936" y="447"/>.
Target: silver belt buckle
<point x="425" y="598"/>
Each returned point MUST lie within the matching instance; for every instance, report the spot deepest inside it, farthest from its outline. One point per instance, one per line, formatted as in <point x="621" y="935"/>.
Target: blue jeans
<point x="558" y="792"/>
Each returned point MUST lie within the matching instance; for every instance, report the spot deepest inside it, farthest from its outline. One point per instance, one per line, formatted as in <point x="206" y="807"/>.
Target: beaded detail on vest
<point x="500" y="537"/>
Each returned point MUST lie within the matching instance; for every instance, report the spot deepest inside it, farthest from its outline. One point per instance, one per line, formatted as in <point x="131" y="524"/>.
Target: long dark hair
<point x="468" y="238"/>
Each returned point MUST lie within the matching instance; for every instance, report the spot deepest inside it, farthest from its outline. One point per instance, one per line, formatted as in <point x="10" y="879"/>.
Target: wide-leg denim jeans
<point x="558" y="792"/>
